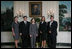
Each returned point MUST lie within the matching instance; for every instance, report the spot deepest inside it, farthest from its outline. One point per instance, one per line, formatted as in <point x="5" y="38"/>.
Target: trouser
<point x="52" y="41"/>
<point x="25" y="42"/>
<point x="33" y="41"/>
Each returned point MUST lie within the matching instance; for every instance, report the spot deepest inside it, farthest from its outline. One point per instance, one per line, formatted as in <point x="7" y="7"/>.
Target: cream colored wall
<point x="46" y="5"/>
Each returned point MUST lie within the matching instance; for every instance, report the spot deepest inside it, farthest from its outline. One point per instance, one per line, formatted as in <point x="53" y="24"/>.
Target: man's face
<point x="25" y="19"/>
<point x="52" y="18"/>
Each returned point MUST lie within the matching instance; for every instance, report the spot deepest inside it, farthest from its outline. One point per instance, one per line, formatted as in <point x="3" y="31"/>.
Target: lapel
<point x="49" y="24"/>
<point x="42" y="23"/>
<point x="52" y="23"/>
<point x="23" y="23"/>
<point x="26" y="23"/>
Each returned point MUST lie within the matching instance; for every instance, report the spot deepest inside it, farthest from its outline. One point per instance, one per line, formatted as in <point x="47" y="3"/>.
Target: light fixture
<point x="20" y="14"/>
<point x="50" y="12"/>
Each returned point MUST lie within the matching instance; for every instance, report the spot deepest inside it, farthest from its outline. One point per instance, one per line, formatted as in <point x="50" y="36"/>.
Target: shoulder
<point x="49" y="22"/>
<point x="21" y="22"/>
<point x="44" y="22"/>
<point x="35" y="23"/>
<point x="55" y="21"/>
<point x="28" y="22"/>
<point x="13" y="24"/>
<point x="31" y="25"/>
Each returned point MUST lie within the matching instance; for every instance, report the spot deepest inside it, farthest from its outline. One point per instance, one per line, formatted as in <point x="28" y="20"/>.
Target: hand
<point x="13" y="34"/>
<point x="30" y="35"/>
<point x="40" y="32"/>
<point x="20" y="34"/>
<point x="49" y="31"/>
<point x="36" y="34"/>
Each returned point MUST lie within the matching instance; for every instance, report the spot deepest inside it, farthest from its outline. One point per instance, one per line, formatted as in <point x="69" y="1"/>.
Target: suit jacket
<point x="33" y="29"/>
<point x="42" y="27"/>
<point x="53" y="28"/>
<point x="24" y="28"/>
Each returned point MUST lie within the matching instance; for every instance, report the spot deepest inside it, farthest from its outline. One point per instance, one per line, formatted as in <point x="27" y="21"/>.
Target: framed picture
<point x="35" y="9"/>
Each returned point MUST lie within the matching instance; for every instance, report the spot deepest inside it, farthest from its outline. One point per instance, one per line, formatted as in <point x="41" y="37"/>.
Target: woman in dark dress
<point x="15" y="30"/>
<point x="42" y="30"/>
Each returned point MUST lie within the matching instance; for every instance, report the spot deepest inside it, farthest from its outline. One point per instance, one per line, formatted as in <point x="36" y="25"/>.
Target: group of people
<point x="29" y="31"/>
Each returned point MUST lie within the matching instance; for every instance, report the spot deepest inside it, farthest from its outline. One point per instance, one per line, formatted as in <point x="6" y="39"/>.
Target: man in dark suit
<point x="24" y="32"/>
<point x="52" y="32"/>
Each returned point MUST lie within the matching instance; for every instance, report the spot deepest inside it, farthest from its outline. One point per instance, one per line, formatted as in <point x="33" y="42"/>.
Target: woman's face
<point x="33" y="21"/>
<point x="16" y="19"/>
<point x="43" y="18"/>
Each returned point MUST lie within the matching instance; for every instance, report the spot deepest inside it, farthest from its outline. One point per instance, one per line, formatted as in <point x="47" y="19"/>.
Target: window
<point x="6" y="15"/>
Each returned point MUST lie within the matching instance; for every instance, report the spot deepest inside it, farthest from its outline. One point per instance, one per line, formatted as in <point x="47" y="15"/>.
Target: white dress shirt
<point x="42" y="22"/>
<point x="25" y="22"/>
<point x="51" y="23"/>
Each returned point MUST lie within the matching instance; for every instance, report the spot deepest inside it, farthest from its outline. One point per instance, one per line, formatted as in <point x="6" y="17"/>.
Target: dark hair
<point x="42" y="18"/>
<point x="51" y="16"/>
<point x="15" y="17"/>
<point x="25" y="16"/>
<point x="32" y="19"/>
